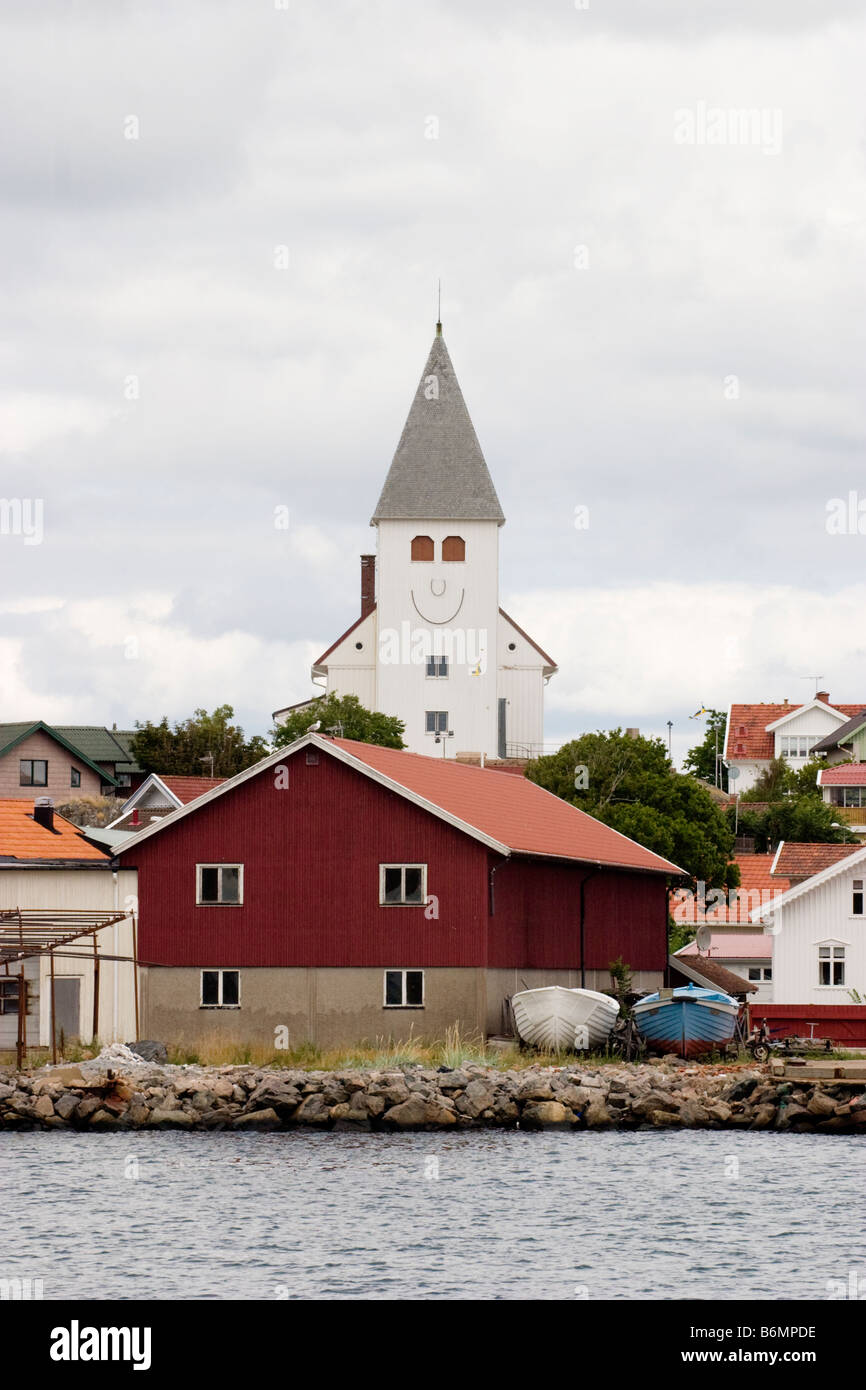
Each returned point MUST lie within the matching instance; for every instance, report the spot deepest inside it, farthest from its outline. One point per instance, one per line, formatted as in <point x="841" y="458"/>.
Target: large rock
<point x="652" y="1101"/>
<point x="258" y="1119"/>
<point x="149" y="1051"/>
<point x="315" y="1110"/>
<point x="821" y="1104"/>
<point x="43" y="1107"/>
<point x="665" y="1118"/>
<point x="170" y="1119"/>
<point x="477" y="1098"/>
<point x="545" y="1114"/>
<point x="534" y="1087"/>
<point x="763" y="1116"/>
<point x="411" y="1114"/>
<point x="597" y="1115"/>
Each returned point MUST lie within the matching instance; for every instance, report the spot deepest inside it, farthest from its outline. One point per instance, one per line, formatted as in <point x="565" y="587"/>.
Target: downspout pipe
<point x="596" y="868"/>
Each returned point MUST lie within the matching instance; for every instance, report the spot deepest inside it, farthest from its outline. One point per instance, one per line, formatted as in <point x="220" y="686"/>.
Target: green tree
<point x="186" y="749"/>
<point x="345" y="715"/>
<point x="701" y="760"/>
<point x="629" y="784"/>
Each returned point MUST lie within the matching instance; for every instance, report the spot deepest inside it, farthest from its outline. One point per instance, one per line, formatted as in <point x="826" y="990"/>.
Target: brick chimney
<point x="368" y="584"/>
<point x="43" y="812"/>
<point x="823" y="696"/>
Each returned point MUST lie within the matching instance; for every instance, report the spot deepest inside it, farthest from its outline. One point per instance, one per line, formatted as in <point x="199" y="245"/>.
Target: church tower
<point x="432" y="645"/>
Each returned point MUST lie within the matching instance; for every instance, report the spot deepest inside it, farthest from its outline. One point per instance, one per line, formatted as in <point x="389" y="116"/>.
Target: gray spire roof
<point x="438" y="472"/>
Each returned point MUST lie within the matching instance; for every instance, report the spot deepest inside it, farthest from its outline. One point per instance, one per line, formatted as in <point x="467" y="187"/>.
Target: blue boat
<point x="688" y="1021"/>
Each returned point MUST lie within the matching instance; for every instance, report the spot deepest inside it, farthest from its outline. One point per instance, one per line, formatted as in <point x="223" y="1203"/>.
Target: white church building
<point x="432" y="645"/>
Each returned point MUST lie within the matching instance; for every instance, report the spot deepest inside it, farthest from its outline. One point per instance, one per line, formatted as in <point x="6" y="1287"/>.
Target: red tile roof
<point x="843" y="775"/>
<point x="727" y="946"/>
<point x="188" y="788"/>
<point x="803" y="860"/>
<point x="511" y="810"/>
<point x="747" y="735"/>
<point x="22" y="838"/>
<point x="757" y="887"/>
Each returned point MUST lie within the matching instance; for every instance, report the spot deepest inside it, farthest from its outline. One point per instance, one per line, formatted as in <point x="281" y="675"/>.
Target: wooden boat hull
<point x="549" y="1018"/>
<point x="691" y="1023"/>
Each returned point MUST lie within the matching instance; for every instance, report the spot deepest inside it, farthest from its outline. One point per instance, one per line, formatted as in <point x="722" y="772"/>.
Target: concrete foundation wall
<point x="329" y="1007"/>
<point x="339" y="1007"/>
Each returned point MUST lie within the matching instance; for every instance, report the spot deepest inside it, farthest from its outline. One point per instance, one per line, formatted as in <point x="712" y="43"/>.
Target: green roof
<point x="13" y="734"/>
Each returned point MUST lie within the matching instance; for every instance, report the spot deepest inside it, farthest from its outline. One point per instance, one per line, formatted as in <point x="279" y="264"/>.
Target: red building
<point x="344" y="892"/>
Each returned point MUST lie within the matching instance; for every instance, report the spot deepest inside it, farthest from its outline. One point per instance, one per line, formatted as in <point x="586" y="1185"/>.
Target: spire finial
<point x="439" y="312"/>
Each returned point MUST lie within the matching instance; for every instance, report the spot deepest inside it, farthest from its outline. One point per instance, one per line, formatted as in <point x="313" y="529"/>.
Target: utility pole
<point x="670" y="726"/>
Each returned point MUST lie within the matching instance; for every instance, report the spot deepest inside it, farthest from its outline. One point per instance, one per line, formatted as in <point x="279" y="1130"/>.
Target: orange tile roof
<point x="843" y="775"/>
<point x="22" y="838"/>
<point x="757" y="887"/>
<point x="511" y="810"/>
<point x="803" y="860"/>
<point x="188" y="788"/>
<point x="747" y="735"/>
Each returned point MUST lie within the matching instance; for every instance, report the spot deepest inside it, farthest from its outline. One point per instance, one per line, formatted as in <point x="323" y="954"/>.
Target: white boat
<point x="558" y="1019"/>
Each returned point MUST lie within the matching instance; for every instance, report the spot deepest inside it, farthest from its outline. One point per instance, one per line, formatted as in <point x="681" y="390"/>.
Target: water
<point x="486" y="1214"/>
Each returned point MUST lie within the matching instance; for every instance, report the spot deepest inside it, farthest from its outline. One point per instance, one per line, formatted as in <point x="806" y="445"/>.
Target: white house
<point x="819" y="935"/>
<point x="757" y="733"/>
<point x="47" y="864"/>
<point x="432" y="645"/>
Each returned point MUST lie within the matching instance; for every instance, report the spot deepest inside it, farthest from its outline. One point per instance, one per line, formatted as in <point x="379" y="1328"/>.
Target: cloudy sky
<point x="222" y="225"/>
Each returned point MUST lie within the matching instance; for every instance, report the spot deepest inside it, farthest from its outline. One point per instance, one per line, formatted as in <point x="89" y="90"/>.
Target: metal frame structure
<point x="28" y="932"/>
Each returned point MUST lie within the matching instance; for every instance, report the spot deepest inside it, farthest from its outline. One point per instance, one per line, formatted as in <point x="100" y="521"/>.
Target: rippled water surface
<point x="430" y="1216"/>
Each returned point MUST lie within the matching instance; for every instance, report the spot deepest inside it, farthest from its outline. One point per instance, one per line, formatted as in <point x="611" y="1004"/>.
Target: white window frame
<point x="219" y="903"/>
<point x="858" y="885"/>
<point x="403" y="971"/>
<point x="438" y="675"/>
<point x="402" y="903"/>
<point x="435" y="733"/>
<point x="833" y="947"/>
<point x="220" y="971"/>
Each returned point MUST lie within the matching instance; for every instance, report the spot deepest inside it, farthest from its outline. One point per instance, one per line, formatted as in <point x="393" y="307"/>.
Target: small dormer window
<point x="422" y="548"/>
<point x="454" y="548"/>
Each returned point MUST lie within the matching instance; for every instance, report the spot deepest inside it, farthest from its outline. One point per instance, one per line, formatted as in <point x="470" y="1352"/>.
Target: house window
<point x="219" y="884"/>
<point x="404" y="989"/>
<point x="74" y="777"/>
<point x="754" y="972"/>
<point x="32" y="772"/>
<point x="422" y="548"/>
<point x="437" y="666"/>
<point x="796" y="745"/>
<point x="454" y="548"/>
<point x="9" y="996"/>
<point x="853" y="796"/>
<point x="402" y="884"/>
<point x="436" y="721"/>
<point x="124" y="779"/>
<point x="831" y="965"/>
<point x="857" y="897"/>
<point x="220" y="989"/>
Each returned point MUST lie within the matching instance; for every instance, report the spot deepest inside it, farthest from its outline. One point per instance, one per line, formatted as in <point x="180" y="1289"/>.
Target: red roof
<point x="23" y="838"/>
<point x="726" y="945"/>
<point x="757" y="887"/>
<point x="188" y="788"/>
<point x="512" y="810"/>
<point x="803" y="860"/>
<point x="747" y="735"/>
<point x="843" y="775"/>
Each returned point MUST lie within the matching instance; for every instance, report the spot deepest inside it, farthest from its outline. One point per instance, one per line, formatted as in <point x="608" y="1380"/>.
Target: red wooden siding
<point x="841" y="1023"/>
<point x="311" y="855"/>
<point x="536" y="922"/>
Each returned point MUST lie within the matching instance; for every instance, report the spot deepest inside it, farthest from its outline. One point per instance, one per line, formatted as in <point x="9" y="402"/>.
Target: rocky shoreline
<point x="109" y="1095"/>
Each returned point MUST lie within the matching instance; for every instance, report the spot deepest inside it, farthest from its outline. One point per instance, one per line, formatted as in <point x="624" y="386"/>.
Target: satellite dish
<point x="733" y="774"/>
<point x="704" y="938"/>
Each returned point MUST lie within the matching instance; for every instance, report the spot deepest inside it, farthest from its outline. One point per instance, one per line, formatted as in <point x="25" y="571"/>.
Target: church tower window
<point x="454" y="548"/>
<point x="422" y="548"/>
